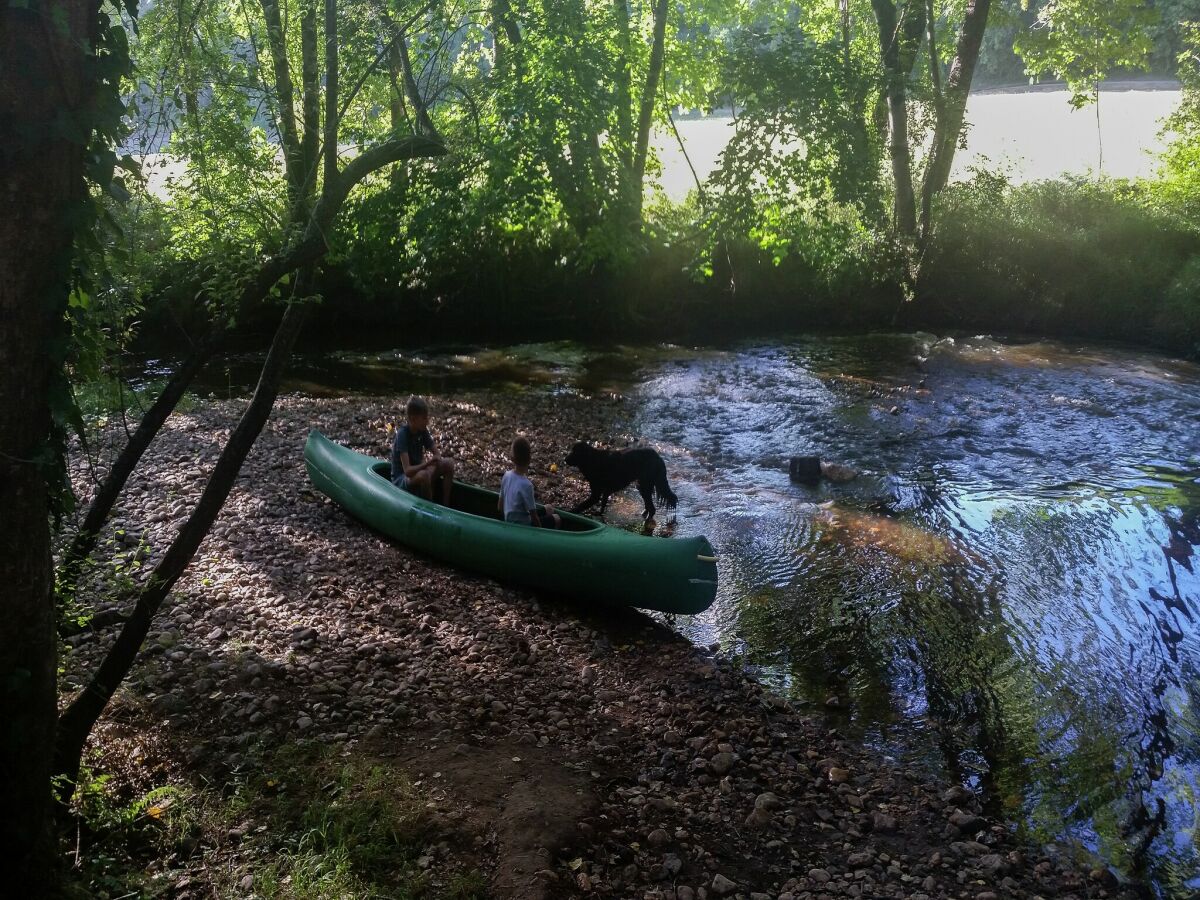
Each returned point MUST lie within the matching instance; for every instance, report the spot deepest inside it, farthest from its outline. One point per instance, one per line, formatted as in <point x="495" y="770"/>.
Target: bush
<point x="1068" y="257"/>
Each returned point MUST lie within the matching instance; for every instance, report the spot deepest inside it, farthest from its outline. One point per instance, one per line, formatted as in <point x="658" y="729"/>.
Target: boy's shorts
<point x="401" y="481"/>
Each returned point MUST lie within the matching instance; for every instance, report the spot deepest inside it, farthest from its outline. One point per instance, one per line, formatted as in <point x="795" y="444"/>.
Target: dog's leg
<point x="646" y="489"/>
<point x="590" y="501"/>
<point x="604" y="503"/>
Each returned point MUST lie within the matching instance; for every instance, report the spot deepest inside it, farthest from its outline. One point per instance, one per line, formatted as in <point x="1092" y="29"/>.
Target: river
<point x="1009" y="589"/>
<point x="1026" y="134"/>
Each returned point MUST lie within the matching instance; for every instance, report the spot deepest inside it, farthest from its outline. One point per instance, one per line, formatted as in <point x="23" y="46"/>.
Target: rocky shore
<point x="559" y="751"/>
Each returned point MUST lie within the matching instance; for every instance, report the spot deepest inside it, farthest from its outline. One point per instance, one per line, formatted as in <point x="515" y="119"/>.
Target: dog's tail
<point x="662" y="489"/>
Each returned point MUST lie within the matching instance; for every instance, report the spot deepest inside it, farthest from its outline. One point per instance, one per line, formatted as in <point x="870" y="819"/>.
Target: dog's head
<point x="581" y="451"/>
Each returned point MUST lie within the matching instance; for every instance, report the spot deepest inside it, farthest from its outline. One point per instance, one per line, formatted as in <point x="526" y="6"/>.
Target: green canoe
<point x="586" y="559"/>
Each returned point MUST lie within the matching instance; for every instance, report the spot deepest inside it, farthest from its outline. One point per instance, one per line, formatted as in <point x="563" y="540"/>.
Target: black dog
<point x="608" y="471"/>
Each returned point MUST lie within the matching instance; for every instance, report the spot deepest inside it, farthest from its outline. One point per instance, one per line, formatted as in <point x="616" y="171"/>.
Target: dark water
<point x="1012" y="582"/>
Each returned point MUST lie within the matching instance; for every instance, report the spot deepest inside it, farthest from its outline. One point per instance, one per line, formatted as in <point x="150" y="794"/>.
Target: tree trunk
<point x="506" y="34"/>
<point x="333" y="115"/>
<point x="45" y="92"/>
<point x="954" y="106"/>
<point x="424" y="123"/>
<point x="899" y="40"/>
<point x="404" y="81"/>
<point x="398" y="117"/>
<point x="905" y="209"/>
<point x="623" y="137"/>
<point x="284" y="95"/>
<point x="649" y="92"/>
<point x="305" y="177"/>
<point x="114" y="482"/>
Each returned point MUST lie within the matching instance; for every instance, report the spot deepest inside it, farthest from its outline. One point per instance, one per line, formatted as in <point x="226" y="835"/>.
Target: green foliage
<point x="801" y="136"/>
<point x="116" y="825"/>
<point x="1081" y="41"/>
<point x="1166" y="25"/>
<point x="531" y="225"/>
<point x="1179" y="182"/>
<point x="316" y="826"/>
<point x="1063" y="257"/>
<point x="467" y="886"/>
<point x="335" y="828"/>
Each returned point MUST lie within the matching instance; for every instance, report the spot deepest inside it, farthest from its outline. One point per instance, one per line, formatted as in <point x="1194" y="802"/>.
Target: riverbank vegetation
<point x="448" y="171"/>
<point x="831" y="207"/>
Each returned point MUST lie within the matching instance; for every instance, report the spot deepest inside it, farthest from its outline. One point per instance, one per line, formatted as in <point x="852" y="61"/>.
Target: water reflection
<point x="1011" y="578"/>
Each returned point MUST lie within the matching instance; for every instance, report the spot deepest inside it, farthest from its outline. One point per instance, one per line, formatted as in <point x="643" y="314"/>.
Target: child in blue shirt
<point x="411" y="470"/>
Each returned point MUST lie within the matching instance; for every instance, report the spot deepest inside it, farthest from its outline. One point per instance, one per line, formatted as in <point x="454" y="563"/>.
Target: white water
<point x="1028" y="135"/>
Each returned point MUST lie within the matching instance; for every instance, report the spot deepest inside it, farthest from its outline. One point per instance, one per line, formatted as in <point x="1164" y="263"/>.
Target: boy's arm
<point x="411" y="471"/>
<point x="531" y="501"/>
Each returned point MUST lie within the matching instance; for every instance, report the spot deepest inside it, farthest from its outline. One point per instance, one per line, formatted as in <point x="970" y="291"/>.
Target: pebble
<point x="721" y="763"/>
<point x="722" y="886"/>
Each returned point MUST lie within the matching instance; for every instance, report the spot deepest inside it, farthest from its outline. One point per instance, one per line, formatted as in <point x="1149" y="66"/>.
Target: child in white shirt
<point x="517" y="503"/>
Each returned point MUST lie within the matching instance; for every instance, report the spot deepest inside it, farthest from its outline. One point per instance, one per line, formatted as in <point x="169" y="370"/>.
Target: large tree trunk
<point x="953" y="106"/>
<point x="649" y="94"/>
<point x="45" y="91"/>
<point x="900" y="33"/>
<point x="905" y="210"/>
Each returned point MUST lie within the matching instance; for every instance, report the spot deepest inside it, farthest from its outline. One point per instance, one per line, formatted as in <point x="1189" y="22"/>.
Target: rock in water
<point x="806" y="469"/>
<point x="837" y="471"/>
<point x="811" y="469"/>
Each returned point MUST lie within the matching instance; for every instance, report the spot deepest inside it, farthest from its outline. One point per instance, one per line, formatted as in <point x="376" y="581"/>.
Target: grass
<point x="313" y="824"/>
<point x="108" y="397"/>
<point x="334" y="827"/>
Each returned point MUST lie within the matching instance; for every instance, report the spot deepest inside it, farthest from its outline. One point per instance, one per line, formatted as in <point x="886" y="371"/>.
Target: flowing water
<point x="1010" y="585"/>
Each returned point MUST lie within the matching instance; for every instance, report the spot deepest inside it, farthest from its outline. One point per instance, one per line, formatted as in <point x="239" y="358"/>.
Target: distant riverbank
<point x="1027" y="131"/>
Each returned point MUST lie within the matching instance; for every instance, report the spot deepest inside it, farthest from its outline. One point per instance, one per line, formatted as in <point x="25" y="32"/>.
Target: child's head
<point x="521" y="454"/>
<point x="417" y="411"/>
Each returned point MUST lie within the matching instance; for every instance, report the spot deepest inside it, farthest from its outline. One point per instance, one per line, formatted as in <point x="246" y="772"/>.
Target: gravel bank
<point x="565" y="751"/>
